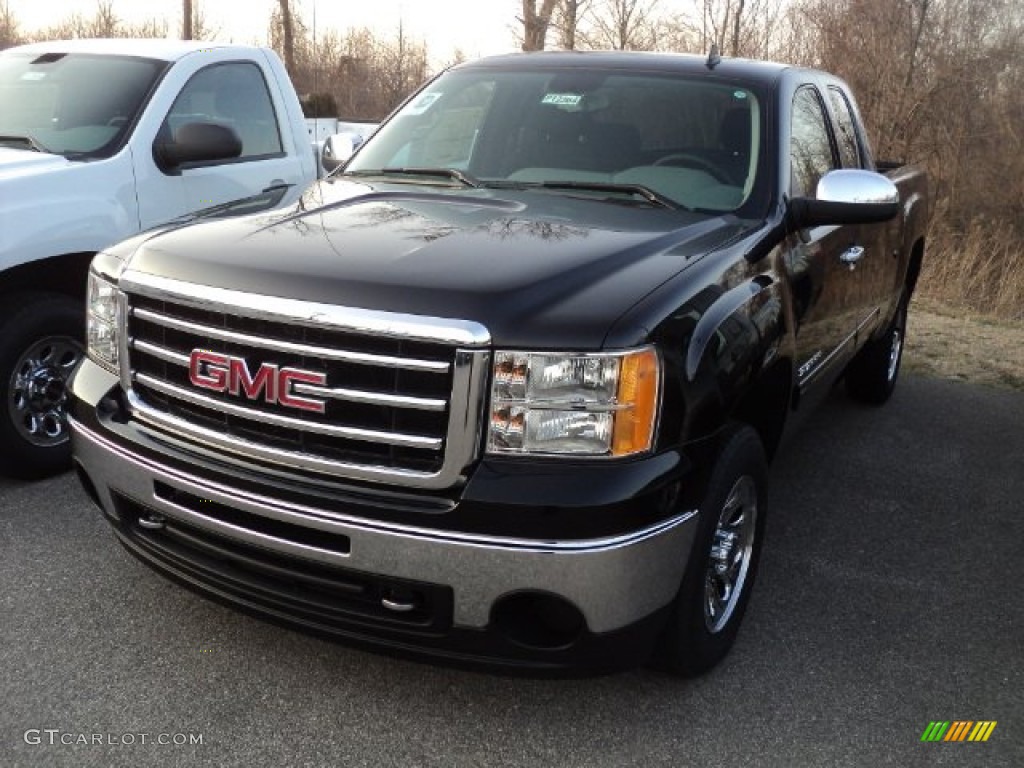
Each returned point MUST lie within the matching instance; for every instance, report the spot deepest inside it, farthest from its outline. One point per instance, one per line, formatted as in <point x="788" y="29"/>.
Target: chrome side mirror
<point x="337" y="149"/>
<point x="857" y="187"/>
<point x="847" y="197"/>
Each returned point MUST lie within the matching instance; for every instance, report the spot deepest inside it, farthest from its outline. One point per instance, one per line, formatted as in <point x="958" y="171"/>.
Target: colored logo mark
<point x="959" y="730"/>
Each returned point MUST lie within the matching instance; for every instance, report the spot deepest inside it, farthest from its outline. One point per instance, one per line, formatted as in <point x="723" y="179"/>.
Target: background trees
<point x="939" y="83"/>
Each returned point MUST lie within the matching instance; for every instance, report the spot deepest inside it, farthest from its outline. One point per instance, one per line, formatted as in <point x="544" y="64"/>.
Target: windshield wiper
<point x="638" y="190"/>
<point x="447" y="173"/>
<point x="31" y="142"/>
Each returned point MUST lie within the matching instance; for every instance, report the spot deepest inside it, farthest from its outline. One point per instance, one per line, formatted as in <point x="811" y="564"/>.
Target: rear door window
<point x="846" y="133"/>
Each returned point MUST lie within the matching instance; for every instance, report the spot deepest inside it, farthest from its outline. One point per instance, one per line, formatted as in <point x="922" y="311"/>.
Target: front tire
<point x="722" y="567"/>
<point x="40" y="344"/>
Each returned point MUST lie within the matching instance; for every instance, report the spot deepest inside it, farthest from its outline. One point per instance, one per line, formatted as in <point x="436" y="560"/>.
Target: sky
<point x="476" y="27"/>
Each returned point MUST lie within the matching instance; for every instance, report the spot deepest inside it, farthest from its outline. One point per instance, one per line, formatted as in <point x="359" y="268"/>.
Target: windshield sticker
<point x="423" y="103"/>
<point x="34" y="76"/>
<point x="562" y="99"/>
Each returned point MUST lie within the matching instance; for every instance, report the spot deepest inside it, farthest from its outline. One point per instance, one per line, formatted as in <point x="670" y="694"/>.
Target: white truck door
<point x="233" y="93"/>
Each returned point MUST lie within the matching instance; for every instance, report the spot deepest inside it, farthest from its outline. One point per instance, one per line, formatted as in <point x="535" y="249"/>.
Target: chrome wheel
<point x="896" y="348"/>
<point x="731" y="548"/>
<point x="37" y="400"/>
<point x="721" y="566"/>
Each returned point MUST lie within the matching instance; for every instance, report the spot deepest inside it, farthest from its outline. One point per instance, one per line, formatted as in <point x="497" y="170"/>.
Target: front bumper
<point x="408" y="588"/>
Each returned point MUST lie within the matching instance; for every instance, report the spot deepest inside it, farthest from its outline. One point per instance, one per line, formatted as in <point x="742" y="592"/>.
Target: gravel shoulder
<point x="954" y="344"/>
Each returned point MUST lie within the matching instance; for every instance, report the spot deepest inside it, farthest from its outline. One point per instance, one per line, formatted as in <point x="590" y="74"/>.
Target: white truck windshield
<point x="71" y="104"/>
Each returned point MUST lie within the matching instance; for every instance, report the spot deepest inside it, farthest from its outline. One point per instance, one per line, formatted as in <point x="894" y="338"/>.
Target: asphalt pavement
<point x="890" y="596"/>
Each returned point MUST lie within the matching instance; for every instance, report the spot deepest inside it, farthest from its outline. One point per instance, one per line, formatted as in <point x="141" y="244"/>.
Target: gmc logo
<point x="222" y="373"/>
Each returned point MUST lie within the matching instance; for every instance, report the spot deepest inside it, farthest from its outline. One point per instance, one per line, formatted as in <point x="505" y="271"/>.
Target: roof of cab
<point x="634" y="60"/>
<point x="150" y="48"/>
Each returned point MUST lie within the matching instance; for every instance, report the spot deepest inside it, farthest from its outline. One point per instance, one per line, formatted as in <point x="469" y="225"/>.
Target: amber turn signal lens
<point x="638" y="394"/>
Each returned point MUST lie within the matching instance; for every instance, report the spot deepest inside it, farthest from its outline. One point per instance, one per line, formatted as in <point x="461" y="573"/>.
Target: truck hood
<point x="21" y="162"/>
<point x="538" y="269"/>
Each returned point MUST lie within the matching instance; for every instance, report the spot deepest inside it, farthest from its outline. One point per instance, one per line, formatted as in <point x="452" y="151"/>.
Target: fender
<point x="70" y="208"/>
<point x="720" y="378"/>
<point x="735" y="303"/>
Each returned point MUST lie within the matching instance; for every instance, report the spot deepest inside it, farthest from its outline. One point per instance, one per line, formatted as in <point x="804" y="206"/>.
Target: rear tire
<point x="723" y="563"/>
<point x="41" y="342"/>
<point x="872" y="374"/>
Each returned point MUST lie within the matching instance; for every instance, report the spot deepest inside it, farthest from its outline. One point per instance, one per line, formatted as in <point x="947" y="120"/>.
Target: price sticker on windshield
<point x="423" y="103"/>
<point x="562" y="99"/>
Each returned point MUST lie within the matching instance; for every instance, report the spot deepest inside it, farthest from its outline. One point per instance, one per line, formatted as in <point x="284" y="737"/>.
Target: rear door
<point x="877" y="272"/>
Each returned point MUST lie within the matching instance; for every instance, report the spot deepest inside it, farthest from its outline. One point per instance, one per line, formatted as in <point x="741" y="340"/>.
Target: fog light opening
<point x="538" y="620"/>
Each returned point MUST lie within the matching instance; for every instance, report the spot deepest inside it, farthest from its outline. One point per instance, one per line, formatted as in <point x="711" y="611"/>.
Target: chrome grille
<point x="401" y="402"/>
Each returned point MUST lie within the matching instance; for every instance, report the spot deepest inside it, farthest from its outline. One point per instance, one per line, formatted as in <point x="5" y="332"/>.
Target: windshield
<point x="670" y="138"/>
<point x="71" y="104"/>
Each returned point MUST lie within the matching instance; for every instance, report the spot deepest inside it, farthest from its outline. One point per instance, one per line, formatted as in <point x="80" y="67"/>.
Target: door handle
<point x="852" y="255"/>
<point x="275" y="184"/>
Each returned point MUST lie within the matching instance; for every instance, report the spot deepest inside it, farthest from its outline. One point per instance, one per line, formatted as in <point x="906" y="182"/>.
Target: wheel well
<point x="766" y="405"/>
<point x="914" y="267"/>
<point x="62" y="274"/>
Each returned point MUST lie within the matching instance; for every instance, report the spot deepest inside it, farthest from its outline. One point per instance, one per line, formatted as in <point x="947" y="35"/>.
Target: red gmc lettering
<point x="264" y="381"/>
<point x="290" y="376"/>
<point x="213" y="375"/>
<point x="221" y="373"/>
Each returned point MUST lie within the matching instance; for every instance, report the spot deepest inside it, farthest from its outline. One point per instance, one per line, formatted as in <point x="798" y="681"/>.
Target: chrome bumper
<point x="614" y="581"/>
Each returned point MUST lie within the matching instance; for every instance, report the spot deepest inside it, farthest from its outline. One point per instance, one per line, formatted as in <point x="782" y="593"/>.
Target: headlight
<point x="585" y="405"/>
<point x="101" y="321"/>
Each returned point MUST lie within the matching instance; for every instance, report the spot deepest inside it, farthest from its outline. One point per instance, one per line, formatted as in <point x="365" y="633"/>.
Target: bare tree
<point x="739" y="27"/>
<point x="939" y="83"/>
<point x="536" y="20"/>
<point x="568" y="17"/>
<point x="104" y="23"/>
<point x="201" y="28"/>
<point x="287" y="36"/>
<point x="402" y="66"/>
<point x="9" y="34"/>
<point x="458" y="56"/>
<point x="363" y="74"/>
<point x="186" y="20"/>
<point x="681" y="32"/>
<point x="623" y="25"/>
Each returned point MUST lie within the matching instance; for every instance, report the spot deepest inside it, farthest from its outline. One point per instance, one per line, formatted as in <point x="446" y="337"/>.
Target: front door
<point x="233" y="94"/>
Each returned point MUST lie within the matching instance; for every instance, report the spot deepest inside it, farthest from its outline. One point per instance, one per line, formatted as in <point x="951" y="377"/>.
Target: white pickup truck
<point x="100" y="140"/>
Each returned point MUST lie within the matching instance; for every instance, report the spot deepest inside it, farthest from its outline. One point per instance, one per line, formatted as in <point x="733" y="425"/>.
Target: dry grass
<point x="980" y="269"/>
<point x="956" y="344"/>
<point x="967" y="319"/>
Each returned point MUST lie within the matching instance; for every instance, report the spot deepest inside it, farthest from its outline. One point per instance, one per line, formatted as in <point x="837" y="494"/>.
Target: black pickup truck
<point x="503" y="389"/>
